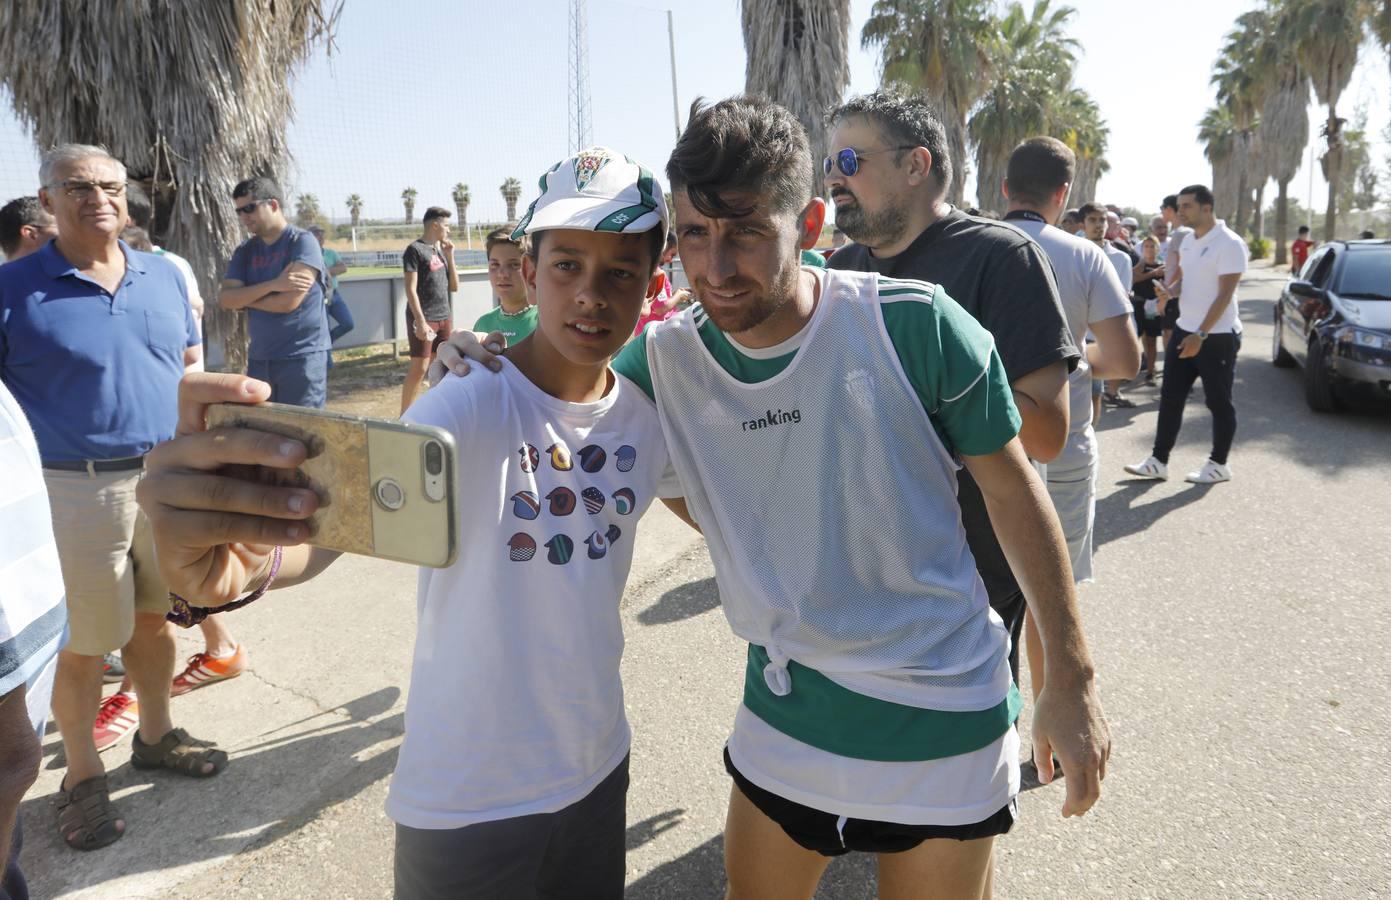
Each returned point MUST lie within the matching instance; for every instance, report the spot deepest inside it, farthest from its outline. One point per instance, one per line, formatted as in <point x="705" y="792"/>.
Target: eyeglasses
<point x="81" y="190"/>
<point x="249" y="208"/>
<point x="848" y="160"/>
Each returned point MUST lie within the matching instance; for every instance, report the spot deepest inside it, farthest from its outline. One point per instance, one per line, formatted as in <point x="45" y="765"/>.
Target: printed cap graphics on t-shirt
<point x="561" y="502"/>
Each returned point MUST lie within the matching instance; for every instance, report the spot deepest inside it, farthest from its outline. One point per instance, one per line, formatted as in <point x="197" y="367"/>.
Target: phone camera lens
<point x="434" y="458"/>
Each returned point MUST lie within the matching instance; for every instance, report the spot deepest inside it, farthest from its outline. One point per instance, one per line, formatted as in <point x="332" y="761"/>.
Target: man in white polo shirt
<point x="1205" y="340"/>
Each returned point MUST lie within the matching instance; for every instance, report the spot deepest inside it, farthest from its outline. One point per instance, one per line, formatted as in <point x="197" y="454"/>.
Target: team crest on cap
<point x="560" y="548"/>
<point x="626" y="457"/>
<point x="592" y="458"/>
<point x="624" y="501"/>
<point x="530" y="457"/>
<point x="560" y="457"/>
<point x="598" y="545"/>
<point x="587" y="165"/>
<point x="593" y="500"/>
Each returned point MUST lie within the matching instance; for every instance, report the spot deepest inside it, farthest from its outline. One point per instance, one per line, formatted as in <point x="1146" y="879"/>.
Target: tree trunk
<point x="1332" y="171"/>
<point x="1243" y="202"/>
<point x="956" y="155"/>
<point x="1282" y="219"/>
<point x="1258" y="217"/>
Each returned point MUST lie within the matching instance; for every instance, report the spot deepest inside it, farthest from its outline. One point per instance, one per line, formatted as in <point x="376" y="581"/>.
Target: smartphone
<point x="388" y="485"/>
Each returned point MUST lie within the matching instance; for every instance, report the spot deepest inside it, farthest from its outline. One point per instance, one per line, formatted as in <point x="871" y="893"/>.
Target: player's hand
<point x="461" y="346"/>
<point x="447" y="247"/>
<point x="423" y="331"/>
<point x="215" y="510"/>
<point x="1190" y="347"/>
<point x="1069" y="724"/>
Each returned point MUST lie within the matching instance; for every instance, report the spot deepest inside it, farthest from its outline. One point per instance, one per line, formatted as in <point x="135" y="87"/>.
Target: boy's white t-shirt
<point x="516" y="705"/>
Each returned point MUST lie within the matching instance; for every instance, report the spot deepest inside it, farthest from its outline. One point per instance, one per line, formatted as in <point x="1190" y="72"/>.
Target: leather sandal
<point x="86" y="817"/>
<point x="178" y="752"/>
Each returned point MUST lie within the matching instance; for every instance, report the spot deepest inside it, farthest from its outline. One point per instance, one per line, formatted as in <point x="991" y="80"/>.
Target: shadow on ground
<point x="683" y="602"/>
<point x="285" y="777"/>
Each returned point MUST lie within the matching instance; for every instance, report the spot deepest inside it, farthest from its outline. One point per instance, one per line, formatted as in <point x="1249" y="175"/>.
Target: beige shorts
<point x="107" y="557"/>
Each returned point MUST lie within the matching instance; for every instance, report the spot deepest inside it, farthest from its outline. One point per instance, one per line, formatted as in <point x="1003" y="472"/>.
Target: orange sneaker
<point x="203" y="669"/>
<point x="117" y="717"/>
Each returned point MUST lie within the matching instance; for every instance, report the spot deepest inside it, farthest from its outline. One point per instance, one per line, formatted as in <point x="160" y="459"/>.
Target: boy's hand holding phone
<point x="214" y="524"/>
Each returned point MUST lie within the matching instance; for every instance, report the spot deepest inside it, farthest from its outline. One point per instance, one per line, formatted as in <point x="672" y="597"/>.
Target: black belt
<point x="92" y="466"/>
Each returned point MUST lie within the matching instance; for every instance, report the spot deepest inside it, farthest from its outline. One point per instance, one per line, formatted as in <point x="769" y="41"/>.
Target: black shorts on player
<point x="829" y="835"/>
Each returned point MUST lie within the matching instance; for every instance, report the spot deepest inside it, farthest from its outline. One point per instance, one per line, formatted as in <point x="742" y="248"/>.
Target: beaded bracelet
<point x="186" y="616"/>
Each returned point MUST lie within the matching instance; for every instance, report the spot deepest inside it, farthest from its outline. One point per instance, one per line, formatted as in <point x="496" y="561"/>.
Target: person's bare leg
<point x="938" y="869"/>
<point x="149" y="657"/>
<point x="414" y="376"/>
<point x="217" y="639"/>
<point x="76" y="696"/>
<point x="1033" y="649"/>
<point x="1151" y="356"/>
<point x="761" y="861"/>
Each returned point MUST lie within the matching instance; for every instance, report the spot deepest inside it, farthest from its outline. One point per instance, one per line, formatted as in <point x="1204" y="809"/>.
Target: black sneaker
<point x="112" y="669"/>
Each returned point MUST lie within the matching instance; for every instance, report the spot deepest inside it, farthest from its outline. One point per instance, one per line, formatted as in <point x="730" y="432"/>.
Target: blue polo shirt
<point x="283" y="335"/>
<point x="96" y="373"/>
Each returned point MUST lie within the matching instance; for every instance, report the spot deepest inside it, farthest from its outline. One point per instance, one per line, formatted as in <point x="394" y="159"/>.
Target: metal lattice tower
<point x="581" y="132"/>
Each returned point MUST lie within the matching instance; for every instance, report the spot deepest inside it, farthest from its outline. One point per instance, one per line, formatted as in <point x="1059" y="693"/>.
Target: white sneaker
<point x="1210" y="473"/>
<point x="1150" y="468"/>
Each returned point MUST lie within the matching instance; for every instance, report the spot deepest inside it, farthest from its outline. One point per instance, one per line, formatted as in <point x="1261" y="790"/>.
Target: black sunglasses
<point x="848" y="160"/>
<point x="249" y="208"/>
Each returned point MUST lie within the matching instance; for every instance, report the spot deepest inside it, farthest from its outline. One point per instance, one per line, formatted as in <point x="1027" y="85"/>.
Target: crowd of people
<point x="889" y="524"/>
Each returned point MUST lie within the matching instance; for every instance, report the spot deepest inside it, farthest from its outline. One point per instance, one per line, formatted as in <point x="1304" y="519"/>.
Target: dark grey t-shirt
<point x="1002" y="277"/>
<point x="431" y="280"/>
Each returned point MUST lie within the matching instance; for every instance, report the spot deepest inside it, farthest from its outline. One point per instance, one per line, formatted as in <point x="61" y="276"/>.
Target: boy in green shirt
<point x="515" y="317"/>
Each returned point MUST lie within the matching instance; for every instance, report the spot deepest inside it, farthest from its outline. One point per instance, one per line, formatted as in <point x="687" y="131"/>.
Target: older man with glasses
<point x="94" y="337"/>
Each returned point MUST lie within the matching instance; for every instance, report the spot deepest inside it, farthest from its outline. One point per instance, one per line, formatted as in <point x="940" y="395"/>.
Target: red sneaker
<point x="204" y="669"/>
<point x="117" y="717"/>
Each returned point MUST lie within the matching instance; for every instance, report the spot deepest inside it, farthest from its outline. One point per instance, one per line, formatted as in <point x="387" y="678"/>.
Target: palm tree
<point x="461" y="201"/>
<point x="797" y="55"/>
<point x="354" y="203"/>
<point x="1285" y="133"/>
<point x="937" y="47"/>
<point x="1217" y="131"/>
<point x="511" y="193"/>
<point x="306" y="210"/>
<point x="1325" y="36"/>
<point x="1077" y="122"/>
<point x="1242" y="87"/>
<point x="408" y="198"/>
<point x="1032" y="57"/>
<point x="217" y="113"/>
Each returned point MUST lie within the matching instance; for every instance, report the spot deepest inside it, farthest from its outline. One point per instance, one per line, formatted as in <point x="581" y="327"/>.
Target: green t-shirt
<point x="952" y="365"/>
<point x="331" y="259"/>
<point x="514" y="327"/>
<point x="813" y="258"/>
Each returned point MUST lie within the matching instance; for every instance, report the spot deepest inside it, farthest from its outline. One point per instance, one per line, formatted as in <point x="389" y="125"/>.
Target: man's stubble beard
<point x="755" y="314"/>
<point x="876" y="229"/>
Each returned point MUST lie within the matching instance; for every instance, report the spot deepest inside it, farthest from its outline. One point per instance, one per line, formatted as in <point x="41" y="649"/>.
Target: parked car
<point x="1334" y="319"/>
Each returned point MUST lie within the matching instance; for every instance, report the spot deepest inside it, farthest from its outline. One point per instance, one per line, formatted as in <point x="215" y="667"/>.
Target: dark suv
<point x="1334" y="319"/>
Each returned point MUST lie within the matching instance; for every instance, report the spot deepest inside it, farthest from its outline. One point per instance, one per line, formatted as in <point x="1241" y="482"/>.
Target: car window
<point x="1366" y="272"/>
<point x="1318" y="268"/>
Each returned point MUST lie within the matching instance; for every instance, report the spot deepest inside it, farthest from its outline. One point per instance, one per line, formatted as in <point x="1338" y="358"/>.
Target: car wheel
<point x="1279" y="356"/>
<point x="1320" y="389"/>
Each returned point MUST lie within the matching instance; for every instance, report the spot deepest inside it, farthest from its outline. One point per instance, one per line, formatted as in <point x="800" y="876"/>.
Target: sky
<point x="421" y="94"/>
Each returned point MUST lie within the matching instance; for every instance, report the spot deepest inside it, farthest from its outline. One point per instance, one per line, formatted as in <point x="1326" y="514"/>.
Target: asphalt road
<point x="1240" y="633"/>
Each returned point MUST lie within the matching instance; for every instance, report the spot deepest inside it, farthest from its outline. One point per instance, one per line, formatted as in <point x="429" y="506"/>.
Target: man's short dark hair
<point x="497" y="236"/>
<point x="907" y="120"/>
<point x="1091" y="209"/>
<point x="16" y="214"/>
<point x="1303" y="229"/>
<point x="435" y="212"/>
<point x="1170" y="202"/>
<point x="138" y="206"/>
<point x="1037" y="168"/>
<point x="743" y="144"/>
<point x="261" y="188"/>
<point x="1200" y="193"/>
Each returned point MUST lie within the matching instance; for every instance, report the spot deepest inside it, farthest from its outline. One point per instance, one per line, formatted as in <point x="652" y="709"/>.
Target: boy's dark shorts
<point x="419" y="350"/>
<point x="817" y="831"/>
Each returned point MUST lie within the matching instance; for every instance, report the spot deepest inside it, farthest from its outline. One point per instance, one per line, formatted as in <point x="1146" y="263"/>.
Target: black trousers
<point x="1215" y="364"/>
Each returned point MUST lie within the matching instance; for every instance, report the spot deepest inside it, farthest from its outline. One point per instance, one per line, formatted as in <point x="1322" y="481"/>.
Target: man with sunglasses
<point x="94" y="337"/>
<point x="278" y="276"/>
<point x="887" y="176"/>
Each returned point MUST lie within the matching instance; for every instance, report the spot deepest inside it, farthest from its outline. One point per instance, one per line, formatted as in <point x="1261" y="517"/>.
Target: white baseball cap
<point x="597" y="190"/>
<point x="1130" y="220"/>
